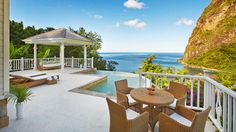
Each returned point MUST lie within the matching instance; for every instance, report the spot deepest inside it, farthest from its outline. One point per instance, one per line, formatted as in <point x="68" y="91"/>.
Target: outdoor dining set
<point x="154" y="109"/>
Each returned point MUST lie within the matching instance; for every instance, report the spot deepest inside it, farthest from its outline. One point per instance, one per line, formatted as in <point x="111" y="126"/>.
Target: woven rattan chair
<point x="126" y="120"/>
<point x="179" y="91"/>
<point x="184" y="120"/>
<point x="123" y="95"/>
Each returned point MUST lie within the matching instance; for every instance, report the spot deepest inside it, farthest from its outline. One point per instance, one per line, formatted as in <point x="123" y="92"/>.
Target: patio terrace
<point x="54" y="109"/>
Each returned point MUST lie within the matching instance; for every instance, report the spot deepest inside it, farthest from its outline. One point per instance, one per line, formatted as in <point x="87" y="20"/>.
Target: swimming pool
<point x="108" y="86"/>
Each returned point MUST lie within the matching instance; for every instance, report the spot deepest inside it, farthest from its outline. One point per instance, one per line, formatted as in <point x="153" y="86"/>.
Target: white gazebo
<point x="61" y="37"/>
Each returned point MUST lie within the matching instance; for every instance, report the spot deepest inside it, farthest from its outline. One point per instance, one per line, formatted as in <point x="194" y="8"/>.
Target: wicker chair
<point x="179" y="91"/>
<point x="126" y="120"/>
<point x="184" y="120"/>
<point x="123" y="94"/>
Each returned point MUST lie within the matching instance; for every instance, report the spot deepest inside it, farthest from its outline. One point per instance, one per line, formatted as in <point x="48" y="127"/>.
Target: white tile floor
<point x="54" y="109"/>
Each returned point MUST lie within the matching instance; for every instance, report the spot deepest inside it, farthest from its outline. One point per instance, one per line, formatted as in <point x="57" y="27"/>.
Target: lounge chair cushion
<point x="40" y="77"/>
<point x="173" y="105"/>
<point x="181" y="119"/>
<point x="51" y="65"/>
<point x="131" y="100"/>
<point x="131" y="114"/>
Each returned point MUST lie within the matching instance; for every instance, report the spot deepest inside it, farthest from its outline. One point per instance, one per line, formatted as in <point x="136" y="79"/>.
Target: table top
<point x="160" y="98"/>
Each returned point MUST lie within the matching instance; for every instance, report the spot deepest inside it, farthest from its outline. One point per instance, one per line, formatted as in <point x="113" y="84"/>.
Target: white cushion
<point x="181" y="119"/>
<point x="51" y="65"/>
<point x="131" y="114"/>
<point x="40" y="77"/>
<point x="156" y="127"/>
<point x="177" y="118"/>
<point x="173" y="105"/>
<point x="131" y="100"/>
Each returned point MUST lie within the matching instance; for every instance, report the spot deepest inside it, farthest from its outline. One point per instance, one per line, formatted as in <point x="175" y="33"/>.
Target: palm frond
<point x="19" y="94"/>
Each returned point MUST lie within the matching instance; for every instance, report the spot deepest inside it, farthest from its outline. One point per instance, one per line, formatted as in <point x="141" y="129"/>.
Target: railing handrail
<point x="28" y="63"/>
<point x="219" y="85"/>
<point x="173" y="75"/>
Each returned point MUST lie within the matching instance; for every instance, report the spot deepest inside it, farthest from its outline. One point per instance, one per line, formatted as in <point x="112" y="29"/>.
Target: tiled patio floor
<point x="54" y="109"/>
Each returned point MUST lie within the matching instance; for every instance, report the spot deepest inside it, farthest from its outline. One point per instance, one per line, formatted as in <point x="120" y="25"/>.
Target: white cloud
<point x="185" y="21"/>
<point x="135" y="4"/>
<point x="135" y="23"/>
<point x="98" y="17"/>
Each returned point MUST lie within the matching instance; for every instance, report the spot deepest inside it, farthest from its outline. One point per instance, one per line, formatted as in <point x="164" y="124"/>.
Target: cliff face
<point x="215" y="29"/>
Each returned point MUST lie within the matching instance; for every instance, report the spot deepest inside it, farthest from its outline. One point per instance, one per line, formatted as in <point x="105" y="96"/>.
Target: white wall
<point x="4" y="46"/>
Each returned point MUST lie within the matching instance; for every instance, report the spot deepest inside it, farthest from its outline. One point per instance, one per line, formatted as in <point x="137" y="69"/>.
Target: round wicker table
<point x="160" y="98"/>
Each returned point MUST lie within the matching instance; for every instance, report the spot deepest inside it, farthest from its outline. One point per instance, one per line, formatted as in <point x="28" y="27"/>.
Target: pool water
<point x="108" y="86"/>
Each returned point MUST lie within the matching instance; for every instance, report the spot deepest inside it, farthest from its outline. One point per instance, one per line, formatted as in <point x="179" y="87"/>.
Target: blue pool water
<point x="131" y="61"/>
<point x="108" y="87"/>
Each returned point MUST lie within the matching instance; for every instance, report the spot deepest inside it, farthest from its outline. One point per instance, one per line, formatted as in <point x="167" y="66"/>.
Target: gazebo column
<point x="35" y="56"/>
<point x="85" y="56"/>
<point x="62" y="48"/>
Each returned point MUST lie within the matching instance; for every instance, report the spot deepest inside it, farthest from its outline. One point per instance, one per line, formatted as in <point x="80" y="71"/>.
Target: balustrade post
<point x="10" y="65"/>
<point x="72" y="62"/>
<point x="140" y="79"/>
<point x="55" y="59"/>
<point x="206" y="74"/>
<point x="92" y="63"/>
<point x="22" y="64"/>
<point x="85" y="56"/>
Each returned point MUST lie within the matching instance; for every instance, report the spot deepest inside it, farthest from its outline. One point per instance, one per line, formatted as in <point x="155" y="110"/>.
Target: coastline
<point x="198" y="67"/>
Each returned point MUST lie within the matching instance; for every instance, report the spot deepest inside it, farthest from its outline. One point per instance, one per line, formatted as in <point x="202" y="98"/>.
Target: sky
<point x="124" y="25"/>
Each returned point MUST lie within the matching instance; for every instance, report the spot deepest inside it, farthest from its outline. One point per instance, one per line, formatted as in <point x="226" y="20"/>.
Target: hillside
<point x="213" y="41"/>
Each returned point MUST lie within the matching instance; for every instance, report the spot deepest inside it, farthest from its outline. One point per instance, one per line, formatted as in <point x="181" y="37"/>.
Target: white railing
<point x="203" y="92"/>
<point x="21" y="64"/>
<point x="26" y="64"/>
<point x="52" y="60"/>
<point x="78" y="62"/>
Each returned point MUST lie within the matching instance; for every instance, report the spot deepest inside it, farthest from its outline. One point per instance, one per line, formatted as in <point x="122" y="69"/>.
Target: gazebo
<point x="61" y="37"/>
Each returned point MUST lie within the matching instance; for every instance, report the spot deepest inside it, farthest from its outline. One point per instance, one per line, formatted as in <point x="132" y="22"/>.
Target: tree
<point x="18" y="52"/>
<point x="111" y="65"/>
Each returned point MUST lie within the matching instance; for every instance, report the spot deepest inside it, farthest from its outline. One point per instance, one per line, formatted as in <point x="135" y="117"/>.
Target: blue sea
<point x="131" y="61"/>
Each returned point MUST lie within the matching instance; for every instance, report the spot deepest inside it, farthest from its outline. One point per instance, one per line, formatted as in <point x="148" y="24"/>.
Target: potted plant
<point x="19" y="95"/>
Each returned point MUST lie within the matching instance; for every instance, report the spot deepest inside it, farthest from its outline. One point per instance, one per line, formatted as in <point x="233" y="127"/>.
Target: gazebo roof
<point x="58" y="36"/>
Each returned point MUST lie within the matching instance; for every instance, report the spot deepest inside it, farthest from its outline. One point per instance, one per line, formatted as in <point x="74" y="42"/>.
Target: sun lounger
<point x="30" y="81"/>
<point x="49" y="66"/>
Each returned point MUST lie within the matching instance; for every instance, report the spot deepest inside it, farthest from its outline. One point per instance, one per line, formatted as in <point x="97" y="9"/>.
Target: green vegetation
<point x="222" y="59"/>
<point x="19" y="94"/>
<point x="111" y="65"/>
<point x="19" y="49"/>
<point x="227" y="78"/>
<point x="149" y="66"/>
<point x="16" y="52"/>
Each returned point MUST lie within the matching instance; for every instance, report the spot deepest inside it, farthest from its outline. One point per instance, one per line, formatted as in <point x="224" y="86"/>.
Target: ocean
<point x="131" y="61"/>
